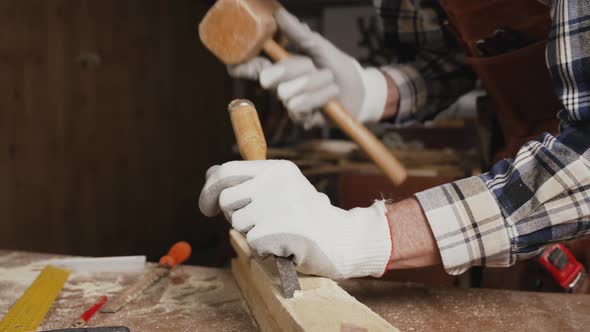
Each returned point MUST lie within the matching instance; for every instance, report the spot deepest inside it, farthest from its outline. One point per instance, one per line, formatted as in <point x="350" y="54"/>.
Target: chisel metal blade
<point x="288" y="276"/>
<point x="177" y="254"/>
<point x="133" y="291"/>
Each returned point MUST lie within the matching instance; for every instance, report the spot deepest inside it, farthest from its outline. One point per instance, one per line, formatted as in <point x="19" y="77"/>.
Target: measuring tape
<point x="30" y="310"/>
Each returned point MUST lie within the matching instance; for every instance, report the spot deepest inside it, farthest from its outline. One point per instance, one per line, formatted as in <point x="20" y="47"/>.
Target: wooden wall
<point x="110" y="113"/>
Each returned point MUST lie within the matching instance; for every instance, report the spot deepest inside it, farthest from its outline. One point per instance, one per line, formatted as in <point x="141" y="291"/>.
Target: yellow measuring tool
<point x="30" y="310"/>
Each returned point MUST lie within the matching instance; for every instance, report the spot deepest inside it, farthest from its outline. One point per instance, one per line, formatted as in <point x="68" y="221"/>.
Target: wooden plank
<point x="257" y="308"/>
<point x="321" y="305"/>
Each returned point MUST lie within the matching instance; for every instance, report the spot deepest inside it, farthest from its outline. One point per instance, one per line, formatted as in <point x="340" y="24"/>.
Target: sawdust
<point x="190" y="299"/>
<point x="85" y="288"/>
<point x="184" y="294"/>
<point x="15" y="279"/>
<point x="326" y="299"/>
<point x="181" y="298"/>
<point x="24" y="274"/>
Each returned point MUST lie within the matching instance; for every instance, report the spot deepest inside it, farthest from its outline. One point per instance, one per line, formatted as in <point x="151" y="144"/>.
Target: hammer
<point x="238" y="30"/>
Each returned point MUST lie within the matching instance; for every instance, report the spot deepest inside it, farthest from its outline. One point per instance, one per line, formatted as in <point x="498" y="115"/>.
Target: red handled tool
<point x="567" y="271"/>
<point x="177" y="254"/>
<point x="83" y="320"/>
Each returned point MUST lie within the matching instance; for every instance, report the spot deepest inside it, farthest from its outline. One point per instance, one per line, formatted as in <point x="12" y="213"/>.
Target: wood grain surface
<point x="206" y="299"/>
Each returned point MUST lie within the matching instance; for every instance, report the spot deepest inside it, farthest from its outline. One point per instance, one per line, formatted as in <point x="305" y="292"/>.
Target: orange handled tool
<point x="177" y="254"/>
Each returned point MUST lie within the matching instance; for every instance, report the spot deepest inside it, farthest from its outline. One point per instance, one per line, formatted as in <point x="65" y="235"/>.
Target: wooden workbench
<point x="207" y="299"/>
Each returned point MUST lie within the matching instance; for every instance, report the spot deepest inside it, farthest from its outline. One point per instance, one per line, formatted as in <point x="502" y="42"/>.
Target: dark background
<point x="110" y="113"/>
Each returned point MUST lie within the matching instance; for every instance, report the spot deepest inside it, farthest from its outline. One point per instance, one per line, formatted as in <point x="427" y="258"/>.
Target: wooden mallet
<point x="238" y="30"/>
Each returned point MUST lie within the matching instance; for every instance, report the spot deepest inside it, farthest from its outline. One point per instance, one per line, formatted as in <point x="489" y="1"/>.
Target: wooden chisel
<point x="177" y="254"/>
<point x="252" y="146"/>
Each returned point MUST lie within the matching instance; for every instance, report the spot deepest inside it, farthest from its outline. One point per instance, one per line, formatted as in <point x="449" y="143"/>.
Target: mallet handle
<point x="373" y="147"/>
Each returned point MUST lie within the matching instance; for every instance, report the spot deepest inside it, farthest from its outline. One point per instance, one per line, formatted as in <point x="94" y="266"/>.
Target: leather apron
<point x="518" y="81"/>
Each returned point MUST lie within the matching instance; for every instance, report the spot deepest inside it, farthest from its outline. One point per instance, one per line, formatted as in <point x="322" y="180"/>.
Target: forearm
<point x="418" y="92"/>
<point x="413" y="242"/>
<point x="521" y="205"/>
<point x="392" y="102"/>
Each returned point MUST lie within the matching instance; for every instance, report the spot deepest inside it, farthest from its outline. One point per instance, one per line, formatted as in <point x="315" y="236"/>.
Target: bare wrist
<point x="413" y="242"/>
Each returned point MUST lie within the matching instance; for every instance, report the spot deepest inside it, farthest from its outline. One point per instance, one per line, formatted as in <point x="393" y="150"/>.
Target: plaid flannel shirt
<point x="522" y="204"/>
<point x="427" y="66"/>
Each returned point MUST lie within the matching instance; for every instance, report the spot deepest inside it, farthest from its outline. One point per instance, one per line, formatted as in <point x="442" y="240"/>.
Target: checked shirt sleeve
<point x="427" y="67"/>
<point x="543" y="195"/>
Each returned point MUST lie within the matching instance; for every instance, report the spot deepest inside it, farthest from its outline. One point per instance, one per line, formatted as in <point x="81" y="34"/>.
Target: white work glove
<point x="282" y="214"/>
<point x="305" y="83"/>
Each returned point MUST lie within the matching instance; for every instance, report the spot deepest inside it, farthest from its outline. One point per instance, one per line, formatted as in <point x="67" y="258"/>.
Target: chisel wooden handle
<point x="247" y="129"/>
<point x="252" y="145"/>
<point x="373" y="147"/>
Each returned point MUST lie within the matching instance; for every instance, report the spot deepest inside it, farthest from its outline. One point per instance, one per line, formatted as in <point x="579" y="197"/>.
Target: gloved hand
<point x="305" y="83"/>
<point x="283" y="214"/>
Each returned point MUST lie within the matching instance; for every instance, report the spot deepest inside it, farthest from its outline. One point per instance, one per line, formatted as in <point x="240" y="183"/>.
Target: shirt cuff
<point x="412" y="90"/>
<point x="468" y="225"/>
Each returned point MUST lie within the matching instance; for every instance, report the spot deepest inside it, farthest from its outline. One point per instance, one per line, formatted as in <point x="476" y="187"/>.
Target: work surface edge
<point x="199" y="298"/>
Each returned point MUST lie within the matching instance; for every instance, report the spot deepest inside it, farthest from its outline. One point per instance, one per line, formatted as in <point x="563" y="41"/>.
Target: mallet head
<point x="235" y="30"/>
